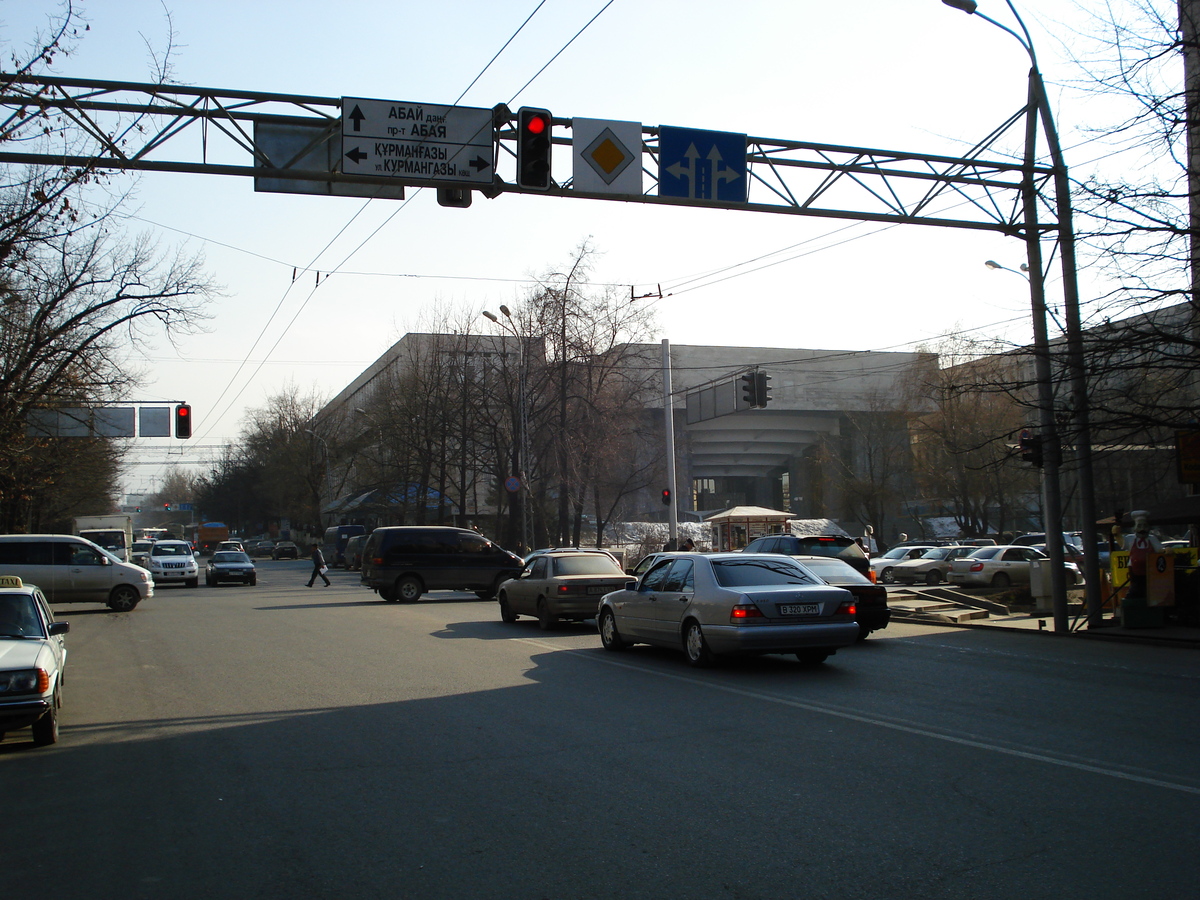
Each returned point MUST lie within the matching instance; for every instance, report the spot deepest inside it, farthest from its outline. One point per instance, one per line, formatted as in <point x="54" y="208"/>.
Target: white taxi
<point x="32" y="656"/>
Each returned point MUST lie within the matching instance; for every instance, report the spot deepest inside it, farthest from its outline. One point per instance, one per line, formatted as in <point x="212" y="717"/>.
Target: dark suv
<point x="403" y="562"/>
<point x="840" y="547"/>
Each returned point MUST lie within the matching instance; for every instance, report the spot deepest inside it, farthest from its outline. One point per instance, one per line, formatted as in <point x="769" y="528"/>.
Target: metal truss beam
<point x="108" y="125"/>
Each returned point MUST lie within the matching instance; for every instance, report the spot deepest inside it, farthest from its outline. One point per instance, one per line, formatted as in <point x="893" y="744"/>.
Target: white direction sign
<point x="416" y="141"/>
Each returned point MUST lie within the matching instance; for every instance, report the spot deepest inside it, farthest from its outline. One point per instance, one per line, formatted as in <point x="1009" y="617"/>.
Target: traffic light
<point x="762" y="389"/>
<point x="166" y="507"/>
<point x="1031" y="448"/>
<point x="137" y="509"/>
<point x="749" y="385"/>
<point x="183" y="421"/>
<point x="533" y="148"/>
<point x="666" y="496"/>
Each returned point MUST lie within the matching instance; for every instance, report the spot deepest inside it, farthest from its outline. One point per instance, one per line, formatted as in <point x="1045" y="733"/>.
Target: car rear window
<point x="759" y="573"/>
<point x="835" y="571"/>
<point x="592" y="564"/>
<point x="984" y="553"/>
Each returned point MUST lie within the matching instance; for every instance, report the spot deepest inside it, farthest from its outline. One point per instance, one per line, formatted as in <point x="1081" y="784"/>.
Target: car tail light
<point x="744" y="611"/>
<point x="976" y="567"/>
<point x="848" y="608"/>
<point x="871" y="575"/>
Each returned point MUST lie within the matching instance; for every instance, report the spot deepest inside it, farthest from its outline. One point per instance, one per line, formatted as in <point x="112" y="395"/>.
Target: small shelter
<point x="736" y="527"/>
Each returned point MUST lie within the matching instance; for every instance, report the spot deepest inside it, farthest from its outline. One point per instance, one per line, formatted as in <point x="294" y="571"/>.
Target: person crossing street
<point x="318" y="560"/>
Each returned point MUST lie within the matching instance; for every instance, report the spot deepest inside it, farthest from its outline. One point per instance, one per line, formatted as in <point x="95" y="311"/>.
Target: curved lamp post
<point x="1039" y="108"/>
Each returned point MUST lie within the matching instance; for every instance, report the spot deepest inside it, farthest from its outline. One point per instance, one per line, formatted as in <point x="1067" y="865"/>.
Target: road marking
<point x="1093" y="768"/>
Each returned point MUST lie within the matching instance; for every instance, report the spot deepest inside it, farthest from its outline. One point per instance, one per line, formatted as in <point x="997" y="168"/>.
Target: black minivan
<point x="402" y="562"/>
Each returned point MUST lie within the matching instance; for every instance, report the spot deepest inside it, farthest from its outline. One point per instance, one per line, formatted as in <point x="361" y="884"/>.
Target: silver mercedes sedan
<point x="715" y="604"/>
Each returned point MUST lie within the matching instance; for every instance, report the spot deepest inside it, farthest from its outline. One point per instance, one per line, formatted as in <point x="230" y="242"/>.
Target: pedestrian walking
<point x="319" y="567"/>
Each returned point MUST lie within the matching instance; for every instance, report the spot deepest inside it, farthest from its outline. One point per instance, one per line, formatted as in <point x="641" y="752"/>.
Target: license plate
<point x="799" y="609"/>
<point x="598" y="589"/>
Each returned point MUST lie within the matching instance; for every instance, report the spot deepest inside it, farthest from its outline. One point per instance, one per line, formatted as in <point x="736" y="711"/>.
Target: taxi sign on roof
<point x="11" y="581"/>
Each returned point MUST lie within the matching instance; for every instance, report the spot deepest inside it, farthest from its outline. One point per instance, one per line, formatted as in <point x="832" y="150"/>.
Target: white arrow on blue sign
<point x="701" y="165"/>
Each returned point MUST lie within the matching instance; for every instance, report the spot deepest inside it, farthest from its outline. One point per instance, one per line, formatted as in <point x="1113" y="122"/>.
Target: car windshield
<point x="142" y="546"/>
<point x="592" y="564"/>
<point x="758" y="573"/>
<point x="984" y="553"/>
<point x="18" y="616"/>
<point x="230" y="556"/>
<point x="164" y="549"/>
<point x="936" y="553"/>
<point x="894" y="553"/>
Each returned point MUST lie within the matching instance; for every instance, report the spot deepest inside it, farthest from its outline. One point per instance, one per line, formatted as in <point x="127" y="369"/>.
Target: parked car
<point x="536" y="553"/>
<point x="402" y="562"/>
<point x="230" y="565"/>
<point x="71" y="569"/>
<point x="234" y="546"/>
<point x="931" y="567"/>
<point x="838" y="546"/>
<point x="561" y="584"/>
<point x="173" y="561"/>
<point x="710" y="605"/>
<point x="1001" y="566"/>
<point x="870" y="599"/>
<point x="1071" y="546"/>
<point x="884" y="564"/>
<point x="285" y="550"/>
<point x="263" y="548"/>
<point x="644" y="564"/>
<point x="33" y="655"/>
<point x="352" y="555"/>
<point x="139" y="553"/>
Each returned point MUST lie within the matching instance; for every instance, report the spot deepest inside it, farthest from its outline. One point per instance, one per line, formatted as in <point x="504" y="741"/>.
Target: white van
<point x="71" y="569"/>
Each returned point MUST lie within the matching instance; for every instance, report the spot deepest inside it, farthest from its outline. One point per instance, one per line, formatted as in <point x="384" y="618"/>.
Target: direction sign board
<point x="417" y="141"/>
<point x="701" y="165"/>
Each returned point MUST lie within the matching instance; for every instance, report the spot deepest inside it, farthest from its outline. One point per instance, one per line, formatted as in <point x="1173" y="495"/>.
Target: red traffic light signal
<point x="183" y="421"/>
<point x="666" y="496"/>
<point x="533" y="148"/>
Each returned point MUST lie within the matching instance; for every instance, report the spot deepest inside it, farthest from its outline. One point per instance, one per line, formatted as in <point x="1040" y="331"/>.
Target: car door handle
<point x="684" y="598"/>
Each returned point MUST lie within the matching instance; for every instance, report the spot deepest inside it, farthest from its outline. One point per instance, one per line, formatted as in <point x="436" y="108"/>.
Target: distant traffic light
<point x="666" y="496"/>
<point x="166" y="507"/>
<point x="183" y="421"/>
<point x="533" y="148"/>
<point x="137" y="509"/>
<point x="1031" y="448"/>
<point x="749" y="388"/>
<point x="762" y="389"/>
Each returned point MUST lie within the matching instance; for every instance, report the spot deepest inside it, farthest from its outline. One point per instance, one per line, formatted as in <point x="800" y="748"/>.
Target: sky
<point x="891" y="74"/>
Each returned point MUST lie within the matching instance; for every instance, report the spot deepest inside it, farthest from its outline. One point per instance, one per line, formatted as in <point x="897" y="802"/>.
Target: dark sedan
<point x="870" y="598"/>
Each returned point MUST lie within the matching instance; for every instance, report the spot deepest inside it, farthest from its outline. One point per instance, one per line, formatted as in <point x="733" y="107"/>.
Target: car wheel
<point x="388" y="594"/>
<point x="887" y="576"/>
<point x="253" y="580"/>
<point x="546" y="622"/>
<point x="934" y="577"/>
<point x="863" y="631"/>
<point x="813" y="657"/>
<point x="193" y="582"/>
<point x="493" y="591"/>
<point x="45" y="729"/>
<point x="409" y="589"/>
<point x="695" y="646"/>
<point x="610" y="638"/>
<point x="506" y="613"/>
<point x="1001" y="580"/>
<point x="123" y="598"/>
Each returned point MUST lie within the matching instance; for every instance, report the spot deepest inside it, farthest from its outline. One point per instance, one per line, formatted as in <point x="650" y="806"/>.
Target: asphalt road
<point x="286" y="742"/>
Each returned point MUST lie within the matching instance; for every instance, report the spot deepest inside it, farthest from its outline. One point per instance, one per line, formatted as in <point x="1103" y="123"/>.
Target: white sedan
<point x="1002" y="566"/>
<point x="32" y="656"/>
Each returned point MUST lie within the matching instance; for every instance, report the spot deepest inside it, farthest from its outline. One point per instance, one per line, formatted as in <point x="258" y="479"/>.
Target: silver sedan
<point x="1002" y="566"/>
<point x="709" y="605"/>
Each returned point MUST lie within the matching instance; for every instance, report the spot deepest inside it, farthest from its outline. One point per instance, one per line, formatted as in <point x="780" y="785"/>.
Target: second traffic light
<point x="533" y="148"/>
<point x="183" y="421"/>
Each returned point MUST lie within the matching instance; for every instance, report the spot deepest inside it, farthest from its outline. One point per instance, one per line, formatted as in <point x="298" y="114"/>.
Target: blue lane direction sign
<point x="417" y="141"/>
<point x="705" y="166"/>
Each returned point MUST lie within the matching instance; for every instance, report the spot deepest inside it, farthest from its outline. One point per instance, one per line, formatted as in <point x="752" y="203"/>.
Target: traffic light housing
<point x="762" y="389"/>
<point x="666" y="496"/>
<point x="749" y="390"/>
<point x="1031" y="448"/>
<point x="183" y="421"/>
<point x="166" y="507"/>
<point x="533" y="148"/>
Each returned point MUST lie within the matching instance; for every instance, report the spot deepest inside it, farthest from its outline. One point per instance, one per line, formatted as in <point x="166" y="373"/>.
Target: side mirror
<point x="631" y="585"/>
<point x="60" y="627"/>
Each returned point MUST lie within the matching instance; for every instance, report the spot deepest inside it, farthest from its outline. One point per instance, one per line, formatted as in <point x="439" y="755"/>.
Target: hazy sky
<point x="890" y="74"/>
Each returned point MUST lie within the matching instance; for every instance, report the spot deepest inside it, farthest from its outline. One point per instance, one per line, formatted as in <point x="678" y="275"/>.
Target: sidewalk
<point x="911" y="608"/>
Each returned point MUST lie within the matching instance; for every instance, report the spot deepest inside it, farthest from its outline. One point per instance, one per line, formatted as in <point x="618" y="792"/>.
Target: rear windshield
<point x="835" y="571"/>
<point x="592" y="564"/>
<point x="984" y="553"/>
<point x="843" y="548"/>
<point x="758" y="572"/>
<point x="230" y="556"/>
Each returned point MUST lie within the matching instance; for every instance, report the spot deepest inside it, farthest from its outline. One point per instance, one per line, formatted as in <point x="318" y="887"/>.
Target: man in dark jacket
<point x="318" y="566"/>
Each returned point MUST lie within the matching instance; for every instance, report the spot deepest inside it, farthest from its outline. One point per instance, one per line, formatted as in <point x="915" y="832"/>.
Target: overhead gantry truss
<point x="108" y="125"/>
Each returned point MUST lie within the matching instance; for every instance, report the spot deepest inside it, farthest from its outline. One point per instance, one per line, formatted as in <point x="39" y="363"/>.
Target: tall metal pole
<point x="669" y="424"/>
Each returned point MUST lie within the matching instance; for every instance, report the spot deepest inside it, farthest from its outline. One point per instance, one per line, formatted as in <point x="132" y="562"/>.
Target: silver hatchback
<point x="710" y="605"/>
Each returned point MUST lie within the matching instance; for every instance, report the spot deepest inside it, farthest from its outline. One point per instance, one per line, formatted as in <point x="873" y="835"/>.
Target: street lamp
<point x="328" y="474"/>
<point x="520" y="450"/>
<point x="1038" y="107"/>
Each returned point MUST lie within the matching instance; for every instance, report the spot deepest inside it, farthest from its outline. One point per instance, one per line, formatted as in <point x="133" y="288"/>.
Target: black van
<point x="402" y="562"/>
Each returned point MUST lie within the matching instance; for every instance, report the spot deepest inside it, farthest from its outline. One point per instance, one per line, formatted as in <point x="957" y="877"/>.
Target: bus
<point x="333" y="548"/>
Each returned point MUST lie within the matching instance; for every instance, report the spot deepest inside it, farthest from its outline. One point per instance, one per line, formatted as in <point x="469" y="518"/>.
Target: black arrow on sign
<point x="357" y="155"/>
<point x="479" y="164"/>
<point x="356" y="116"/>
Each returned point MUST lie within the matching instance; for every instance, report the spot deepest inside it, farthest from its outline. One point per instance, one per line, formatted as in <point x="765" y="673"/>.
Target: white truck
<point x="113" y="533"/>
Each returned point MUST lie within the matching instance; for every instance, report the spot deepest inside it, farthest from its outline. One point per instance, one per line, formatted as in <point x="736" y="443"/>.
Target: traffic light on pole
<point x="183" y="421"/>
<point x="1031" y="448"/>
<point x="666" y="496"/>
<point x="533" y="148"/>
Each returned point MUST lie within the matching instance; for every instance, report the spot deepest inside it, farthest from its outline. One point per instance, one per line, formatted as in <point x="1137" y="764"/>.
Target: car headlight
<point x="24" y="681"/>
